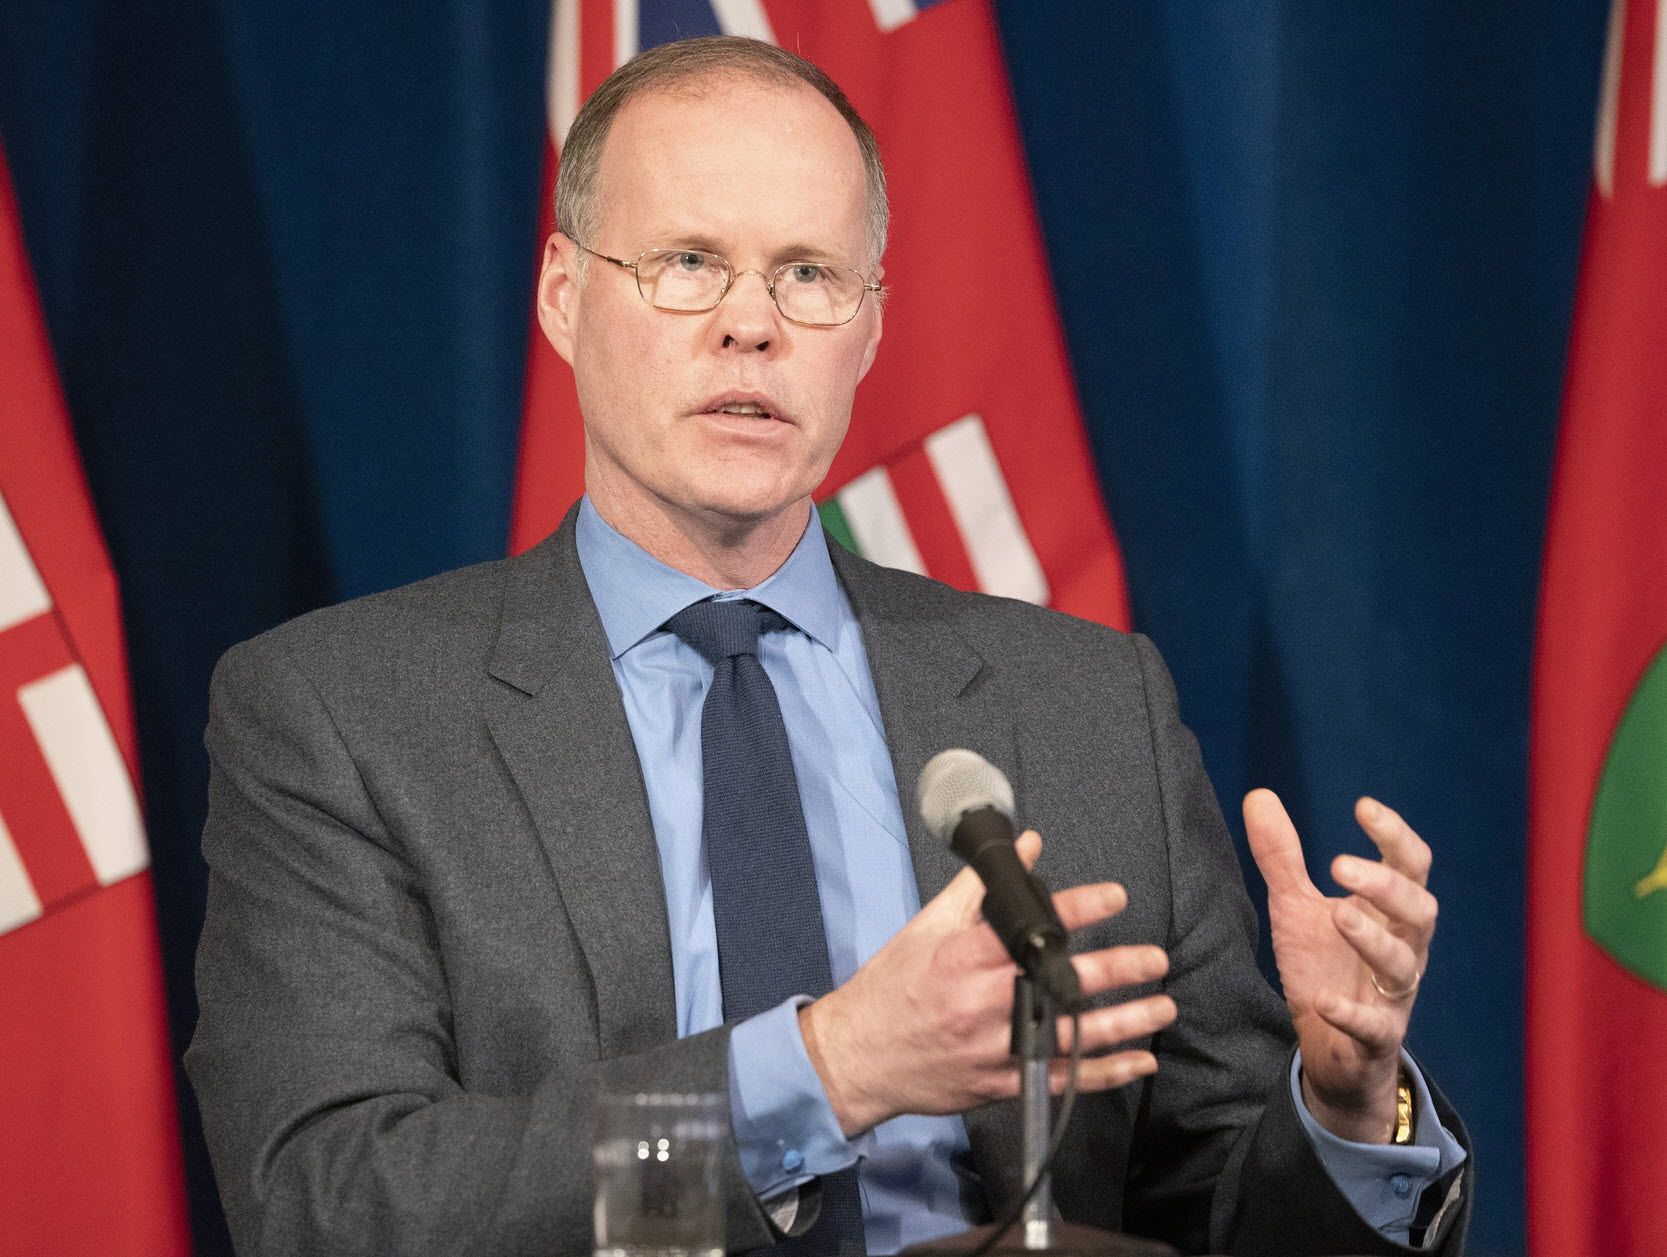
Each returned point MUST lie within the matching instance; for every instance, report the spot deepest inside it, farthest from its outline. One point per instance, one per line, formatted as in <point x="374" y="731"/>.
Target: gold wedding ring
<point x="1394" y="995"/>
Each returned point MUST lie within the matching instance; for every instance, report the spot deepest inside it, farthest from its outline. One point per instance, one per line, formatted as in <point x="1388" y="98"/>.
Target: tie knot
<point x="722" y="630"/>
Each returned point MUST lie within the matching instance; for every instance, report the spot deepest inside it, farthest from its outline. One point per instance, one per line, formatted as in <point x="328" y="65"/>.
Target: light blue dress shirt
<point x="916" y="1172"/>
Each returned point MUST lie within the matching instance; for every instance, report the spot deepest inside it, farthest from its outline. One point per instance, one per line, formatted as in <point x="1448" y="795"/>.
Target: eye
<point x="690" y="262"/>
<point x="805" y="273"/>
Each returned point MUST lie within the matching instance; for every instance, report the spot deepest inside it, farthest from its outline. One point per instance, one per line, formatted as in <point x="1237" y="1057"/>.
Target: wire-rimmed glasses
<point x="689" y="281"/>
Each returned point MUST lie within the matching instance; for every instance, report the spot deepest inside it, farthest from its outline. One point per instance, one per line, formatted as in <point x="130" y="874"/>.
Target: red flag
<point x="1597" y="913"/>
<point x="967" y="457"/>
<point x="89" y="1157"/>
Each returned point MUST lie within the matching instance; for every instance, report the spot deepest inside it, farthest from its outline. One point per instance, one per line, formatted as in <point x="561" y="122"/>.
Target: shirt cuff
<point x="785" y="1129"/>
<point x="1385" y="1181"/>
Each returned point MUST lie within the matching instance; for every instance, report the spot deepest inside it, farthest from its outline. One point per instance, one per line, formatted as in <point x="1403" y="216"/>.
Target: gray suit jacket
<point x="436" y="925"/>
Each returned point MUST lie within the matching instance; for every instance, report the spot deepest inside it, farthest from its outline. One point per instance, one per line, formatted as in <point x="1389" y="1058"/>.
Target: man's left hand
<point x="1350" y="965"/>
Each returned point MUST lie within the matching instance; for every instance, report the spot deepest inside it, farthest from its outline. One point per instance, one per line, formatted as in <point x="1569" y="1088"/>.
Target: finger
<point x="957" y="905"/>
<point x="1115" y="967"/>
<point x="1077" y="907"/>
<point x="1403" y="902"/>
<point x="1377" y="1029"/>
<point x="959" y="902"/>
<point x="1086" y="905"/>
<point x="1389" y="957"/>
<point x="1400" y="846"/>
<point x="1107" y="1027"/>
<point x="1029" y="845"/>
<point x="1102" y="1073"/>
<point x="1274" y="843"/>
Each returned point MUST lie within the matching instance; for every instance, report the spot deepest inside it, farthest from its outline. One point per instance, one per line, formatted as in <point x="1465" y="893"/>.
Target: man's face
<point x="763" y="174"/>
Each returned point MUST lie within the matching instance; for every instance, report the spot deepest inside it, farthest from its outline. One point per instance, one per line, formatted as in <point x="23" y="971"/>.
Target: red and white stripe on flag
<point x="89" y="1158"/>
<point x="1597" y="869"/>
<point x="967" y="457"/>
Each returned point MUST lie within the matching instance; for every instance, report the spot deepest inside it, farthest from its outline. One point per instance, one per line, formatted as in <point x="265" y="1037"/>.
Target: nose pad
<point x="769" y="291"/>
<point x="757" y="335"/>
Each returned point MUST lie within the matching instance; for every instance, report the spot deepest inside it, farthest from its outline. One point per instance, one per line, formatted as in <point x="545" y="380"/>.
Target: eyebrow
<point x="791" y="253"/>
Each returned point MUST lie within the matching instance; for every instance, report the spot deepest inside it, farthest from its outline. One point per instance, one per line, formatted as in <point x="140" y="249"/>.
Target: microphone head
<point x="956" y="782"/>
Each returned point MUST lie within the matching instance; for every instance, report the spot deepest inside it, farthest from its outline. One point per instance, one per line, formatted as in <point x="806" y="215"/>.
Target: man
<point x="631" y="810"/>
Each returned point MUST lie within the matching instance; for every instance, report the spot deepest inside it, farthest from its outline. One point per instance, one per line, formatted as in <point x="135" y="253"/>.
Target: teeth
<point x="742" y="408"/>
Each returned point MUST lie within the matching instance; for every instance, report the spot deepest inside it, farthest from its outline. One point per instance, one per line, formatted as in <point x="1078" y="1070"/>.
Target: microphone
<point x="967" y="803"/>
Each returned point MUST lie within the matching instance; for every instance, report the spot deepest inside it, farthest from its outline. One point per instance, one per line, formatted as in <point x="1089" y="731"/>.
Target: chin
<point x="744" y="503"/>
<point x="749" y="509"/>
<point x="747" y="493"/>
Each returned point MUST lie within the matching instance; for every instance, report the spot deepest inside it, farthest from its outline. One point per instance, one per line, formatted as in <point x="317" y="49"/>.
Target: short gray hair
<point x="680" y="62"/>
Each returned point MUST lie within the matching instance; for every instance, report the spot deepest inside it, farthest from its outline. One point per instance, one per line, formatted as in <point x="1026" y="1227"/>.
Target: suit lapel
<point x="936" y="692"/>
<point x="563" y="733"/>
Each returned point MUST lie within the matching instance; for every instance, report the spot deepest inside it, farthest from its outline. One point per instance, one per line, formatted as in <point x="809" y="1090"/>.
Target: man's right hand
<point x="924" y="1026"/>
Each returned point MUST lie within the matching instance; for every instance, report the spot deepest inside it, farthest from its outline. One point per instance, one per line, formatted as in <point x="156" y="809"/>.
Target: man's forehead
<point x="722" y="154"/>
<point x="727" y="90"/>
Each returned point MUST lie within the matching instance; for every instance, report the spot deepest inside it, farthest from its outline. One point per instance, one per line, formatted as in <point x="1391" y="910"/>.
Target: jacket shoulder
<point x="1005" y="630"/>
<point x="382" y="637"/>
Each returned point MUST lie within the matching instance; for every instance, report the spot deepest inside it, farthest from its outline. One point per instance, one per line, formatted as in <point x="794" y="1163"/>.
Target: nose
<point x="747" y="319"/>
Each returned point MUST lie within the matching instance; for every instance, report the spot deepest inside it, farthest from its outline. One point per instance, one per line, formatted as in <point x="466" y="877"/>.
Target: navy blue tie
<point x="771" y="940"/>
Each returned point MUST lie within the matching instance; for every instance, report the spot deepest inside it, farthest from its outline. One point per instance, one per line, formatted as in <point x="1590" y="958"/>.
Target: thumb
<point x="1030" y="848"/>
<point x="1274" y="843"/>
<point x="957" y="904"/>
<point x="960" y="902"/>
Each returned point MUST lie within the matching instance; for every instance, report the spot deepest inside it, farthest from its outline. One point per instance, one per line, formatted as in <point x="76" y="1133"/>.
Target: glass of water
<point x="657" y="1159"/>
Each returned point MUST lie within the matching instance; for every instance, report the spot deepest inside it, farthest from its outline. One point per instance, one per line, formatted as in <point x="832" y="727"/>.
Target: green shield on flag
<point x="1626" y="844"/>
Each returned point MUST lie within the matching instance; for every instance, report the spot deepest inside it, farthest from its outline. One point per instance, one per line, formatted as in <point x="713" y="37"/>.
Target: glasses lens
<point x="819" y="294"/>
<point x="682" y="279"/>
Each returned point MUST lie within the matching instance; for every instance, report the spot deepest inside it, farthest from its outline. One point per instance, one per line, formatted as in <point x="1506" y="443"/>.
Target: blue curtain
<point x="1315" y="266"/>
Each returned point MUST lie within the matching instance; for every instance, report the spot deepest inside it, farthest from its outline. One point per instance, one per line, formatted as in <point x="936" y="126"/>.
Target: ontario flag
<point x="1597" y="912"/>
<point x="89" y="1142"/>
<point x="967" y="457"/>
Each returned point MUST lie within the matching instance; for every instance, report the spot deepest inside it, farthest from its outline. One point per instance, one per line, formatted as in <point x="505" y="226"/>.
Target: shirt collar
<point x="635" y="593"/>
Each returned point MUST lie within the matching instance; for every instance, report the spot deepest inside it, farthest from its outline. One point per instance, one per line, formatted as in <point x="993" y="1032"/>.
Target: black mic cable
<point x="1066" y="1102"/>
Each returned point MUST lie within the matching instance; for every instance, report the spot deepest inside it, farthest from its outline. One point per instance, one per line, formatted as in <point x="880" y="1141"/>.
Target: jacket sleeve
<point x="323" y="1057"/>
<point x="1221" y="1162"/>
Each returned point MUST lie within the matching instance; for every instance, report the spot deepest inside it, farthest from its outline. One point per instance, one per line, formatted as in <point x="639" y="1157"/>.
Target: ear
<point x="558" y="294"/>
<point x="878" y="322"/>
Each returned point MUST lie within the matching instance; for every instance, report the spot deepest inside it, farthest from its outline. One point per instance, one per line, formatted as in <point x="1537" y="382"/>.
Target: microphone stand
<point x="1035" y="1031"/>
<point x="1035" y="1043"/>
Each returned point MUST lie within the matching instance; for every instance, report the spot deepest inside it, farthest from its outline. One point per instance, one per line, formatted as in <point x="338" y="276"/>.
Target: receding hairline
<point x="699" y="68"/>
<point x="705" y="84"/>
<point x="703" y="79"/>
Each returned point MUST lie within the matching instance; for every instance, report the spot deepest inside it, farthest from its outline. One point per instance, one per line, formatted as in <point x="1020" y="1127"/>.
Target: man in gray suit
<point x="461" y="879"/>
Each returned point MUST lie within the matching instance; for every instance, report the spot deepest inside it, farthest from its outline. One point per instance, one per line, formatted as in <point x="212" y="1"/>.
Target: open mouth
<point x="746" y="410"/>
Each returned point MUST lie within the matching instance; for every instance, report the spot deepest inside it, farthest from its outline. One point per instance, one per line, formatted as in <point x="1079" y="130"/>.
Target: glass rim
<point x="663" y="252"/>
<point x="660" y="1099"/>
<point x="865" y="284"/>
